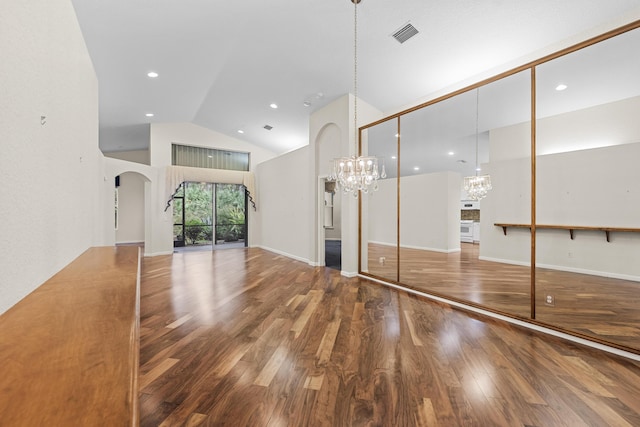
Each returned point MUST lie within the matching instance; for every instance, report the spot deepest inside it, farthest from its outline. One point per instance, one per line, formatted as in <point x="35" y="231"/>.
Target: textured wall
<point x="51" y="169"/>
<point x="284" y="210"/>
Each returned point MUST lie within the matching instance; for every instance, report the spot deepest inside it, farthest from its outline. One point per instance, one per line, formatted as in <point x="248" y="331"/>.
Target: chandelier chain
<point x="356" y="173"/>
<point x="355" y="75"/>
<point x="477" y="119"/>
<point x="477" y="186"/>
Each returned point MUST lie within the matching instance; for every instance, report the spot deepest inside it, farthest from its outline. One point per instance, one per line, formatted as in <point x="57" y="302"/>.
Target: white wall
<point x="283" y="214"/>
<point x="152" y="200"/>
<point x="51" y="173"/>
<point x="328" y="145"/>
<point x="596" y="187"/>
<point x="136" y="156"/>
<point x="130" y="208"/>
<point x="600" y="126"/>
<point x="589" y="186"/>
<point x="429" y="213"/>
<point x="509" y="202"/>
<point x="381" y="211"/>
<point x="338" y="114"/>
<point x="329" y="138"/>
<point x="165" y="134"/>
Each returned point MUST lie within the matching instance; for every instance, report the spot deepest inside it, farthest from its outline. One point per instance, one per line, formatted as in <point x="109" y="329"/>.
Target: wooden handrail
<point x="70" y="349"/>
<point x="571" y="228"/>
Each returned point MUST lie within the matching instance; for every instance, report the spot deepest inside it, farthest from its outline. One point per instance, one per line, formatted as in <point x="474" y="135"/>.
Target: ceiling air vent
<point x="267" y="127"/>
<point x="405" y="33"/>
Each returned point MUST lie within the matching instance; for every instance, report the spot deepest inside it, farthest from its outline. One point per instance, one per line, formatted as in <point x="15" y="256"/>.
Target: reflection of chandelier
<point x="355" y="174"/>
<point x="477" y="186"/>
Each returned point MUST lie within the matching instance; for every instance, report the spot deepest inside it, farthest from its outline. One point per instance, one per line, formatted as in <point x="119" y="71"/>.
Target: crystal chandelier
<point x="477" y="186"/>
<point x="354" y="174"/>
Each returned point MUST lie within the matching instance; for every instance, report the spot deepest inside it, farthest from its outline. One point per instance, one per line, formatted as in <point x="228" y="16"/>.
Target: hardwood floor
<point x="595" y="306"/>
<point x="245" y="337"/>
<point x="69" y="349"/>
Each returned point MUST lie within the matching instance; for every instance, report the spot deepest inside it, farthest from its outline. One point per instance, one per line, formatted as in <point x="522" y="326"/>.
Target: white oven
<point x="470" y="205"/>
<point x="466" y="231"/>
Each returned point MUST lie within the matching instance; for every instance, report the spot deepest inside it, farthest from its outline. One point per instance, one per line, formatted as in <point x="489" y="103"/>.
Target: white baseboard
<point x="382" y="243"/>
<point x="590" y="272"/>
<point x="151" y="254"/>
<point x="567" y="269"/>
<point x="421" y="248"/>
<point x="444" y="251"/>
<point x="288" y="255"/>
<point x="505" y="261"/>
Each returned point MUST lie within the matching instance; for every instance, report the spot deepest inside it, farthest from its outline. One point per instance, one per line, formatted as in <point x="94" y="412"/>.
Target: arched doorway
<point x="329" y="202"/>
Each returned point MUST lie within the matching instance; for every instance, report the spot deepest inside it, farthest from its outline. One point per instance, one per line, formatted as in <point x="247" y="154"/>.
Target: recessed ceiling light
<point x="451" y="153"/>
<point x="478" y="169"/>
<point x="306" y="103"/>
<point x="393" y="157"/>
<point x="240" y="131"/>
<point x="561" y="87"/>
<point x="149" y="114"/>
<point x="210" y="156"/>
<point x="274" y="106"/>
<point x="152" y="74"/>
<point x="416" y="168"/>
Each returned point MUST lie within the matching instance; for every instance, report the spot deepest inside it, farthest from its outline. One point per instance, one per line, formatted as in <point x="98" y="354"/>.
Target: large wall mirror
<point x="379" y="210"/>
<point x="588" y="175"/>
<point x="422" y="231"/>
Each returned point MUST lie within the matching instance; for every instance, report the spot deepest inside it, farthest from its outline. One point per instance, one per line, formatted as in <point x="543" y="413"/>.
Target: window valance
<point x="176" y="175"/>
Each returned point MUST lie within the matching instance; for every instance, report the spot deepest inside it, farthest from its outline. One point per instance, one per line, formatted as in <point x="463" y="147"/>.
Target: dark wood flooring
<point x="245" y="337"/>
<point x="599" y="307"/>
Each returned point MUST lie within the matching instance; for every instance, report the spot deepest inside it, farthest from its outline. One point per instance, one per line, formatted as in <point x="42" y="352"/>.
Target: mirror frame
<point x="531" y="66"/>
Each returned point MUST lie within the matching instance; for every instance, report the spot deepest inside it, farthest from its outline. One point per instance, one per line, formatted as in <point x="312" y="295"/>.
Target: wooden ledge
<point x="571" y="228"/>
<point x="69" y="350"/>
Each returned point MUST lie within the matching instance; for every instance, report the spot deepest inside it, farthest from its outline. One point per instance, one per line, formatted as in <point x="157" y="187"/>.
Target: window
<point x="211" y="158"/>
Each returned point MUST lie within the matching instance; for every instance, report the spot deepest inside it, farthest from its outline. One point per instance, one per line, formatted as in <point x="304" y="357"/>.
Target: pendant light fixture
<point x="477" y="186"/>
<point x="356" y="173"/>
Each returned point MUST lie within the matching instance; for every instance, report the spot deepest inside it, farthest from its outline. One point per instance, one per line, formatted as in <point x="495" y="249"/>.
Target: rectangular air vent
<point x="405" y="33"/>
<point x="267" y="127"/>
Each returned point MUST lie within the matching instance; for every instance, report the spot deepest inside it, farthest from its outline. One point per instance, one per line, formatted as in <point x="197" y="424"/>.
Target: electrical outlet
<point x="550" y="300"/>
<point x="382" y="260"/>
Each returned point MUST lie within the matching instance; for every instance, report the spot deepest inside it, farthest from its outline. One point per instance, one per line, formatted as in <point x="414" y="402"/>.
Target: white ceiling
<point x="222" y="63"/>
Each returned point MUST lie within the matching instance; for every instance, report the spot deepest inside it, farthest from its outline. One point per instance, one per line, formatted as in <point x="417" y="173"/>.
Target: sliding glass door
<point x="202" y="210"/>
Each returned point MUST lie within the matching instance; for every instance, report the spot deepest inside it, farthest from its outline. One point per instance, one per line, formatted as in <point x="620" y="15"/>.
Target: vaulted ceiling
<point x="221" y="64"/>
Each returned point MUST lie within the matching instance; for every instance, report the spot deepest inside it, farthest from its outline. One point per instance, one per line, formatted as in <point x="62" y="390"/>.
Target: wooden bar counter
<point x="69" y="350"/>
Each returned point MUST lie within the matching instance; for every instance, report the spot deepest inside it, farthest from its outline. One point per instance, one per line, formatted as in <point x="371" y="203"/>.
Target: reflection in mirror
<point x="437" y="149"/>
<point x="379" y="210"/>
<point x="440" y="229"/>
<point x="588" y="147"/>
